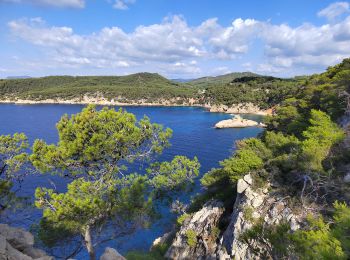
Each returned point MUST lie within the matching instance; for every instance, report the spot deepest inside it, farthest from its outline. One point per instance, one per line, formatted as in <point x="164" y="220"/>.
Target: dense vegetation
<point x="304" y="152"/>
<point x="219" y="80"/>
<point x="264" y="92"/>
<point x="132" y="87"/>
<point x="230" y="89"/>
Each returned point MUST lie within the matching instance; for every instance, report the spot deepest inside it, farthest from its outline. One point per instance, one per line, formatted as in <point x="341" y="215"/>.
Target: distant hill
<point x="135" y="86"/>
<point x="222" y="79"/>
<point x="229" y="89"/>
<point x="18" y="77"/>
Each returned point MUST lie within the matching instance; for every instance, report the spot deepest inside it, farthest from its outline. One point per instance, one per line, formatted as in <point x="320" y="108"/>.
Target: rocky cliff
<point x="197" y="237"/>
<point x="251" y="204"/>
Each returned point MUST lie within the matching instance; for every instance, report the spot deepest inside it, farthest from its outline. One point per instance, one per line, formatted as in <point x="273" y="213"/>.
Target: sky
<point x="175" y="38"/>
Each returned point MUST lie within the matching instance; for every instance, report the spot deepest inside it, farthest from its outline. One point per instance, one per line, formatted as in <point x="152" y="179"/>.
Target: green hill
<point x="263" y="91"/>
<point x="229" y="89"/>
<point x="222" y="79"/>
<point x="134" y="86"/>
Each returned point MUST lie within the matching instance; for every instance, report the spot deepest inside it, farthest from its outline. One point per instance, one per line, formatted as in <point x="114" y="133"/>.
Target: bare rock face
<point x="251" y="205"/>
<point x="198" y="234"/>
<point x="195" y="239"/>
<point x="17" y="244"/>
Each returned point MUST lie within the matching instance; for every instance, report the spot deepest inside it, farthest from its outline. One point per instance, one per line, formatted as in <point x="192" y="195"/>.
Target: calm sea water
<point x="193" y="135"/>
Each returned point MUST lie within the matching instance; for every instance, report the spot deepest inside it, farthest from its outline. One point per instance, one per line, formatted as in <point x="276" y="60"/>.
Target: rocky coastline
<point x="247" y="108"/>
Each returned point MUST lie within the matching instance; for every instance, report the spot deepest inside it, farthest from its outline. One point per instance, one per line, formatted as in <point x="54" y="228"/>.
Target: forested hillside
<point x="133" y="87"/>
<point x="222" y="79"/>
<point x="229" y="90"/>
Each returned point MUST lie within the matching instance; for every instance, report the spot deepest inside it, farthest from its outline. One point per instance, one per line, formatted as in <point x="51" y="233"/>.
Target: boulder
<point x="111" y="254"/>
<point x="16" y="235"/>
<point x="17" y="244"/>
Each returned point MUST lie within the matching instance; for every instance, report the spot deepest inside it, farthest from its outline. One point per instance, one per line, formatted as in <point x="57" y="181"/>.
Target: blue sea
<point x="193" y="135"/>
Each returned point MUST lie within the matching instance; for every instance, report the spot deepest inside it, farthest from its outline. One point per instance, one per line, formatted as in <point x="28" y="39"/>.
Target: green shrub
<point x="191" y="237"/>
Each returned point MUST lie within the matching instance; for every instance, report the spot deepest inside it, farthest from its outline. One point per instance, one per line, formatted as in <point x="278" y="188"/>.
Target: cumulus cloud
<point x="174" y="47"/>
<point x="123" y="4"/>
<point x="307" y="45"/>
<point x="334" y="10"/>
<point x="227" y="42"/>
<point x="169" y="42"/>
<point x="52" y="3"/>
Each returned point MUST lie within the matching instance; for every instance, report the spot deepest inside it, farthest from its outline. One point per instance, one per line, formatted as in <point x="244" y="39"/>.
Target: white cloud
<point x="228" y="42"/>
<point x="168" y="42"/>
<point x="123" y="4"/>
<point x="307" y="45"/>
<point x="334" y="10"/>
<point x="52" y="3"/>
<point x="221" y="70"/>
<point x="174" y="47"/>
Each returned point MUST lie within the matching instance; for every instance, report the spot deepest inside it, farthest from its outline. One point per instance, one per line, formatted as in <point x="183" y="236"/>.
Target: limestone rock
<point x="270" y="208"/>
<point x="203" y="224"/>
<point x="111" y="254"/>
<point x="236" y="122"/>
<point x="248" y="179"/>
<point x="257" y="201"/>
<point x="163" y="239"/>
<point x="247" y="108"/>
<point x="241" y="186"/>
<point x="17" y="244"/>
<point x="16" y="235"/>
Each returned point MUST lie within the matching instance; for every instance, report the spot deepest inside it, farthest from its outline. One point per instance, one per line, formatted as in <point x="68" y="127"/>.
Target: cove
<point x="193" y="135"/>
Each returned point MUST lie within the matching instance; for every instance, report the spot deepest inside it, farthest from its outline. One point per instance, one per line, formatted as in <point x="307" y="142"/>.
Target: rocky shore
<point x="16" y="243"/>
<point x="237" y="122"/>
<point x="248" y="108"/>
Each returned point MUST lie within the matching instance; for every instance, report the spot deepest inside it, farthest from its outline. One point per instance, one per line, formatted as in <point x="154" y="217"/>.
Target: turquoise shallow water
<point x="193" y="135"/>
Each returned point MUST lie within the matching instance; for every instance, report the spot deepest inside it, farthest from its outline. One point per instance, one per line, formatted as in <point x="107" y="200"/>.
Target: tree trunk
<point x="88" y="243"/>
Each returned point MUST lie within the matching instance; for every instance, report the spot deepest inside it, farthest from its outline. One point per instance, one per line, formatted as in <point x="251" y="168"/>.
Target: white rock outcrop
<point x="204" y="225"/>
<point x="111" y="254"/>
<point x="262" y="205"/>
<point x="236" y="122"/>
<point x="251" y="204"/>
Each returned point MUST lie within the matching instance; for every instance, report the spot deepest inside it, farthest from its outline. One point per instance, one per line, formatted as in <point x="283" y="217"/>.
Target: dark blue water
<point x="193" y="135"/>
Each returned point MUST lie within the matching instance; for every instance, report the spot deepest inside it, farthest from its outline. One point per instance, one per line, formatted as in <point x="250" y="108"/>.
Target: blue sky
<point x="176" y="38"/>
